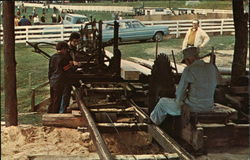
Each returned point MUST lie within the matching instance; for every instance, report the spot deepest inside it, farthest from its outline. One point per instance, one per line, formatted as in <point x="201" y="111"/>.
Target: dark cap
<point x="61" y="45"/>
<point x="190" y="52"/>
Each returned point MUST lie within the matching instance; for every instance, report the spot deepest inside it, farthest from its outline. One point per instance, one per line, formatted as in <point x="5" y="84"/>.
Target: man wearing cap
<point x="195" y="36"/>
<point x="196" y="88"/>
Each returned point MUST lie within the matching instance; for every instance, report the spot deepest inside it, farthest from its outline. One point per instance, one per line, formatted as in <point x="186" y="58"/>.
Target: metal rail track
<point x="101" y="118"/>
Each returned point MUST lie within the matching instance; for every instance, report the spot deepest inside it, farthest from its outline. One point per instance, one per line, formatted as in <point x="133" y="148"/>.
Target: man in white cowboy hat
<point x="195" y="36"/>
<point x="195" y="89"/>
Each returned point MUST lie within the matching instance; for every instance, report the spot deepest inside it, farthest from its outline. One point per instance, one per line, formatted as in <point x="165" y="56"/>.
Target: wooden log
<point x="63" y="120"/>
<point x="150" y="64"/>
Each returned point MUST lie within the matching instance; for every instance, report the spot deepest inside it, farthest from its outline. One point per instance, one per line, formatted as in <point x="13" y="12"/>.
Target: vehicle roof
<point x="123" y="20"/>
<point x="76" y="15"/>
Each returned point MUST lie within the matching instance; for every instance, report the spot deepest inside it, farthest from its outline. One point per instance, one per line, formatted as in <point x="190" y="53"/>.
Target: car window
<point x="137" y="24"/>
<point x="128" y="25"/>
<point x="123" y="25"/>
<point x="68" y="19"/>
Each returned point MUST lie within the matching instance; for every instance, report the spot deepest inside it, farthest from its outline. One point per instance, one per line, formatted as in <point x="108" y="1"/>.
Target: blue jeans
<point x="65" y="98"/>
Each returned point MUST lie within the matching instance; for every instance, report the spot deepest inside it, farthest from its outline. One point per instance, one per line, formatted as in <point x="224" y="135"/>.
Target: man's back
<point x="202" y="81"/>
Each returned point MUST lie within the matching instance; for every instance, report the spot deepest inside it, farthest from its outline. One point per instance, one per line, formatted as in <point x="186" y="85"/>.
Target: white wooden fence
<point x="49" y="33"/>
<point x="85" y="8"/>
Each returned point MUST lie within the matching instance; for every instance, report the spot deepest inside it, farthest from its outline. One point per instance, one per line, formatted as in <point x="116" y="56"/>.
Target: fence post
<point x="62" y="32"/>
<point x="221" y="28"/>
<point x="177" y="29"/>
<point x="27" y="35"/>
<point x="32" y="103"/>
<point x="30" y="81"/>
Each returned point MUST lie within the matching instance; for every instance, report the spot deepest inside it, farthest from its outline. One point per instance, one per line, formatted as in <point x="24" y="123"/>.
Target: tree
<point x="241" y="38"/>
<point x="9" y="64"/>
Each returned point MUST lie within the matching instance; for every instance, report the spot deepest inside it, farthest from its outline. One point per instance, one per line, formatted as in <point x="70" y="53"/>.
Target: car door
<point x="141" y="31"/>
<point x="126" y="31"/>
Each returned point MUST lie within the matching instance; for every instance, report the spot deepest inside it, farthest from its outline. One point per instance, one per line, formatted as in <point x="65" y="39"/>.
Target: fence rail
<point x="49" y="33"/>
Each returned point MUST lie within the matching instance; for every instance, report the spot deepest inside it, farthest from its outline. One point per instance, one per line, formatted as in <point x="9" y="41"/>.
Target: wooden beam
<point x="63" y="120"/>
<point x="168" y="144"/>
<point x="102" y="148"/>
<point x="169" y="156"/>
<point x="113" y="127"/>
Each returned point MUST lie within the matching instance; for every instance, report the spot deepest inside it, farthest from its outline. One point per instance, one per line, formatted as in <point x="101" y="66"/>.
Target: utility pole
<point x="9" y="63"/>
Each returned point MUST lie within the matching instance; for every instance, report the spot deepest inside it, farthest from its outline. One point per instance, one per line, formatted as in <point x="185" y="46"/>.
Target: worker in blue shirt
<point x="196" y="88"/>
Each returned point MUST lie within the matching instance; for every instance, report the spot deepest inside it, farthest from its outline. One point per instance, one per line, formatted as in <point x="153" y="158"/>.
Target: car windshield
<point x="137" y="24"/>
<point x="82" y="20"/>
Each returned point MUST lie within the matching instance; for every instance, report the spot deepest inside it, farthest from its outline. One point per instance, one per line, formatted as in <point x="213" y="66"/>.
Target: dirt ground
<point x="18" y="143"/>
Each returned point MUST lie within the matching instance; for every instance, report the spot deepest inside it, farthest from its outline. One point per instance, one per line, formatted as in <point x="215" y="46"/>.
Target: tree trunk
<point x="240" y="47"/>
<point x="9" y="64"/>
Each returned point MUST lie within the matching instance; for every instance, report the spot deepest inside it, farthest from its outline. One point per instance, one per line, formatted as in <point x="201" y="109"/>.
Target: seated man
<point x="196" y="88"/>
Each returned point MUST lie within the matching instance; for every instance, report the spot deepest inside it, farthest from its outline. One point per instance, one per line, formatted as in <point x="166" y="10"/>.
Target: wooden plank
<point x="112" y="110"/>
<point x="76" y="113"/>
<point x="44" y="102"/>
<point x="168" y="144"/>
<point x="239" y="89"/>
<point x="129" y="73"/>
<point x="169" y="156"/>
<point x="102" y="149"/>
<point x="63" y="120"/>
<point x="226" y="135"/>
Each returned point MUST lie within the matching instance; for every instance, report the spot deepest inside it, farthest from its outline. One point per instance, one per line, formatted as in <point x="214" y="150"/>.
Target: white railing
<point x="49" y="33"/>
<point x="179" y="27"/>
<point x="84" y="7"/>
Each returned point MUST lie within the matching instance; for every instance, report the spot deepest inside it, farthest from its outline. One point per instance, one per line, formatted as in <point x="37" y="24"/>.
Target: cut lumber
<point x="63" y="120"/>
<point x="76" y="113"/>
<point x="129" y="73"/>
<point x="125" y="63"/>
<point x="140" y="68"/>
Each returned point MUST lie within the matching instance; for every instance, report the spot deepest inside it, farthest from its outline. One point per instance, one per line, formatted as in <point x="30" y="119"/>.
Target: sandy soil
<point x="19" y="142"/>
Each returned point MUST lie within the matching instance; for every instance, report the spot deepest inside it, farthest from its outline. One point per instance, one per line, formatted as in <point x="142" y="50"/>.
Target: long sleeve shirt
<point x="58" y="65"/>
<point x="197" y="86"/>
<point x="201" y="38"/>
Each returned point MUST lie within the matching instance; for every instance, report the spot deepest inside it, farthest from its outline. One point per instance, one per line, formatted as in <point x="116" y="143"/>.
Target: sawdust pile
<point x="19" y="142"/>
<point x="131" y="143"/>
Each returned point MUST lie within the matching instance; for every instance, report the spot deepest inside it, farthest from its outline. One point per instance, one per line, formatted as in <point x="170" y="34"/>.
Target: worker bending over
<point x="58" y="66"/>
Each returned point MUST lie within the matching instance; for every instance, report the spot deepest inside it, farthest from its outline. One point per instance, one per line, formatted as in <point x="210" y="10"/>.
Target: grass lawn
<point x="36" y="65"/>
<point x="212" y="4"/>
<point x="205" y="4"/>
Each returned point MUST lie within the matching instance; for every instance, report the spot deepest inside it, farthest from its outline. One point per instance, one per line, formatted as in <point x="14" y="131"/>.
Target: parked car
<point x="75" y="19"/>
<point x="68" y="19"/>
<point x="133" y="30"/>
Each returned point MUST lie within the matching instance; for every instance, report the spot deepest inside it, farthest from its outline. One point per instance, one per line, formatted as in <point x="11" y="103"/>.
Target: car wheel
<point x="158" y="36"/>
